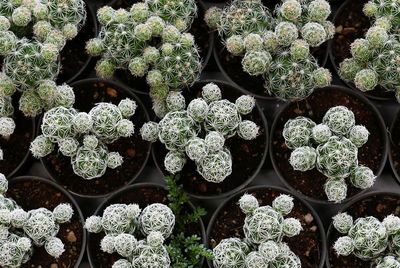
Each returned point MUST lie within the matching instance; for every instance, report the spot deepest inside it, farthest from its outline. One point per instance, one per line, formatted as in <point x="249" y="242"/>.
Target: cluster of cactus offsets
<point x="31" y="67"/>
<point x="21" y="230"/>
<point x="51" y="19"/>
<point x="149" y="40"/>
<point x="375" y="61"/>
<point x="369" y="239"/>
<point x="277" y="47"/>
<point x="179" y="131"/>
<point x="123" y="223"/>
<point x="264" y="228"/>
<point x="384" y="13"/>
<point x="332" y="148"/>
<point x="83" y="136"/>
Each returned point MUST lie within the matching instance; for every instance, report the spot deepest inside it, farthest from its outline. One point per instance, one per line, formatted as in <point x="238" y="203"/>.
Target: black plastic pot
<point x="323" y="247"/>
<point x="111" y="200"/>
<point x="74" y="204"/>
<point x="356" y="202"/>
<point x="353" y="94"/>
<point x="236" y="92"/>
<point x="141" y="109"/>
<point x="393" y="146"/>
<point x="343" y="7"/>
<point x="91" y="25"/>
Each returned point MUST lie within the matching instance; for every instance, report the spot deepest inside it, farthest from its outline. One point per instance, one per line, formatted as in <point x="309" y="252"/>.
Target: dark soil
<point x="247" y="155"/>
<point x="395" y="148"/>
<point x="232" y="66"/>
<point x="143" y="196"/>
<point x="307" y="245"/>
<point x="378" y="206"/>
<point x="134" y="150"/>
<point x="311" y="183"/>
<point x="31" y="194"/>
<point x="352" y="24"/>
<point x="73" y="56"/>
<point x="16" y="147"/>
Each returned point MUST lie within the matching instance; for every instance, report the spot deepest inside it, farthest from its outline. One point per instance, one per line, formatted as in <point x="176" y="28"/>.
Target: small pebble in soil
<point x="112" y="92"/>
<point x="308" y="218"/>
<point x="54" y="265"/>
<point x="71" y="237"/>
<point x="131" y="152"/>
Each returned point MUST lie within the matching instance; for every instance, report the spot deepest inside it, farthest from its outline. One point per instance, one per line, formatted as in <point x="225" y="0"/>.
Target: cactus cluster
<point x="277" y="47"/>
<point x="384" y="13"/>
<point x="61" y="19"/>
<point x="369" y="239"/>
<point x="149" y="40"/>
<point x="21" y="230"/>
<point x="264" y="228"/>
<point x="332" y="148"/>
<point x="122" y="223"/>
<point x="83" y="136"/>
<point x="216" y="118"/>
<point x="375" y="61"/>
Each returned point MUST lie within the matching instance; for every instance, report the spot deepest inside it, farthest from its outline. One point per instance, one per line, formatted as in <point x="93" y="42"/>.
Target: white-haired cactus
<point x="149" y="40"/>
<point x="332" y="148"/>
<point x="104" y="124"/>
<point x="277" y="47"/>
<point x="376" y="58"/>
<point x="7" y="124"/>
<point x="264" y="229"/>
<point x="368" y="238"/>
<point x="22" y="230"/>
<point x="219" y="119"/>
<point x="123" y="223"/>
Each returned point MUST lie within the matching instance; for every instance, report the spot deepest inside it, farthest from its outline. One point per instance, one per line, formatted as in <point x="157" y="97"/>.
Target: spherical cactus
<point x="223" y="117"/>
<point x="3" y="184"/>
<point x="175" y="101"/>
<point x="63" y="213"/>
<point x="255" y="260"/>
<point x="157" y="218"/>
<point x="269" y="250"/>
<point x="339" y="119"/>
<point x="174" y="161"/>
<point x="362" y="177"/>
<point x="248" y="130"/>
<point x="248" y="203"/>
<point x="211" y="92"/>
<point x="215" y="167"/>
<point x="245" y="104"/>
<point x="117" y="219"/>
<point x="68" y="146"/>
<point x="57" y="123"/>
<point x="343" y="222"/>
<point x="321" y="133"/>
<point x="90" y="163"/>
<point x="303" y="158"/>
<point x="388" y="262"/>
<point x="290" y="10"/>
<point x="314" y="33"/>
<point x="149" y="131"/>
<point x="300" y="49"/>
<point x="230" y="253"/>
<point x="286" y="33"/>
<point x="297" y="132"/>
<point x="256" y="62"/>
<point x="344" y="246"/>
<point x="291" y="227"/>
<point x="253" y="42"/>
<point x="349" y="68"/>
<point x="392" y="224"/>
<point x="54" y="247"/>
<point x="376" y="36"/>
<point x="335" y="190"/>
<point x="196" y="149"/>
<point x="7" y="126"/>
<point x="93" y="224"/>
<point x="366" y="79"/>
<point x="125" y="244"/>
<point x="360" y="49"/>
<point x="198" y="109"/>
<point x="283" y="204"/>
<point x="319" y="10"/>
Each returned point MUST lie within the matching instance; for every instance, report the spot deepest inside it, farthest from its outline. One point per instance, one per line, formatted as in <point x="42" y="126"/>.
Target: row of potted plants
<point x="258" y="226"/>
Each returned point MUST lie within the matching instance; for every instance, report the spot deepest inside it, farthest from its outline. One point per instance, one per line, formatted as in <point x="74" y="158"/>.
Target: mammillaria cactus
<point x="63" y="18"/>
<point x="22" y="230"/>
<point x="122" y="223"/>
<point x="179" y="131"/>
<point x="7" y="124"/>
<point x="332" y="148"/>
<point x="376" y="58"/>
<point x="277" y="47"/>
<point x="83" y="136"/>
<point x="127" y="38"/>
<point x="368" y="239"/>
<point x="264" y="229"/>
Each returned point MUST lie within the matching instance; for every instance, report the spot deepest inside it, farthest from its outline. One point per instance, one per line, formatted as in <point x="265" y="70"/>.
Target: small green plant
<point x="51" y="19"/>
<point x="277" y="47"/>
<point x="384" y="13"/>
<point x="375" y="62"/>
<point x="21" y="230"/>
<point x="83" y="136"/>
<point x="149" y="40"/>
<point x="369" y="239"/>
<point x="332" y="148"/>
<point x="264" y="228"/>
<point x="220" y="119"/>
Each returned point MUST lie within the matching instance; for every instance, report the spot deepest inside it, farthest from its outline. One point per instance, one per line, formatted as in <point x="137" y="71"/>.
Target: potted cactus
<point x="353" y="20"/>
<point x="41" y="224"/>
<point x="344" y="137"/>
<point x="276" y="48"/>
<point x="364" y="233"/>
<point x="152" y="220"/>
<point x="265" y="226"/>
<point x="102" y="133"/>
<point x="208" y="141"/>
<point x="149" y="42"/>
<point x="394" y="152"/>
<point x="63" y="19"/>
